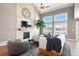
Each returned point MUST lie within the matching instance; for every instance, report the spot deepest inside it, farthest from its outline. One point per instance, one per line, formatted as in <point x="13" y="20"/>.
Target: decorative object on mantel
<point x="26" y="13"/>
<point x="41" y="24"/>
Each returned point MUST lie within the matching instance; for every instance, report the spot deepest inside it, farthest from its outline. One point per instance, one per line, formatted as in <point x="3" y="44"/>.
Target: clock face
<point x="26" y="13"/>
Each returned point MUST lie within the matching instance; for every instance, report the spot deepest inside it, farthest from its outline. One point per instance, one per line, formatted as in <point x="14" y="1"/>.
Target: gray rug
<point x="31" y="52"/>
<point x="34" y="51"/>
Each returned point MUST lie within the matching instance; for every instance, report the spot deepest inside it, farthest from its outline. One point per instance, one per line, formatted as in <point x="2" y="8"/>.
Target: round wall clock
<point x="26" y="13"/>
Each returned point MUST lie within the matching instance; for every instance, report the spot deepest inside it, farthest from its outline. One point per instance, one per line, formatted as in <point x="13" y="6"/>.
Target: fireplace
<point x="26" y="35"/>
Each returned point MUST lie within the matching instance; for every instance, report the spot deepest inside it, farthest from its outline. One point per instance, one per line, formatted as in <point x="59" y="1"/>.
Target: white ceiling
<point x="53" y="6"/>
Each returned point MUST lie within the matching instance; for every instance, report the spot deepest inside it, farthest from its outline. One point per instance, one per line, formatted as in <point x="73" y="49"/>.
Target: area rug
<point x="34" y="51"/>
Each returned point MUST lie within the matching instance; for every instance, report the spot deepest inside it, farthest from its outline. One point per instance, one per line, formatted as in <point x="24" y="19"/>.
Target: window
<point x="48" y="24"/>
<point x="60" y="23"/>
<point x="47" y="20"/>
<point x="60" y="28"/>
<point x="57" y="24"/>
<point x="60" y="17"/>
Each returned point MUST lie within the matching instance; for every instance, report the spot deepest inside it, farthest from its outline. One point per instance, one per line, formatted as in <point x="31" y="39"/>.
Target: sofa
<point x="16" y="47"/>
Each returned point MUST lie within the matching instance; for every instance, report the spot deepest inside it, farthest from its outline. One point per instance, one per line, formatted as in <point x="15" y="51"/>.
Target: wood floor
<point x="74" y="45"/>
<point x="74" y="49"/>
<point x="3" y="51"/>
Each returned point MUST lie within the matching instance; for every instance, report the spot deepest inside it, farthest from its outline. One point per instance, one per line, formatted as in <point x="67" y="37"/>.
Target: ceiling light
<point x="42" y="7"/>
<point x="42" y="10"/>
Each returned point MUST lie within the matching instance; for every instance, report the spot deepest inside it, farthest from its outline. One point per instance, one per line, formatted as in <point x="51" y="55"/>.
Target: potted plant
<point x="40" y="24"/>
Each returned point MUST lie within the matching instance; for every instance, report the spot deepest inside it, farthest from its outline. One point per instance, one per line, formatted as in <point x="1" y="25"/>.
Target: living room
<point x="21" y="35"/>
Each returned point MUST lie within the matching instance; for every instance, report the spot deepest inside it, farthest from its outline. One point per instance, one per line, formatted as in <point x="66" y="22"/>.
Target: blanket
<point x="53" y="44"/>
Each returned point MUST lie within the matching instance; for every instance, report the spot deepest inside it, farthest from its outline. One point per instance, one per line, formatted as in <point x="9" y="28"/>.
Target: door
<point x="77" y="30"/>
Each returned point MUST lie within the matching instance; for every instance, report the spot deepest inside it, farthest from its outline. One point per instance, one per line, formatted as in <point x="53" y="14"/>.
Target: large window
<point x="48" y="24"/>
<point x="57" y="24"/>
<point x="60" y="23"/>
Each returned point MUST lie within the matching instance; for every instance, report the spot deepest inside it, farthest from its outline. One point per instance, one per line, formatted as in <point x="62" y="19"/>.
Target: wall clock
<point x="26" y="13"/>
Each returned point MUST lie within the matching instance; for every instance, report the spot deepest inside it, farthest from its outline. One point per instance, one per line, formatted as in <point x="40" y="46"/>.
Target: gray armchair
<point x="17" y="47"/>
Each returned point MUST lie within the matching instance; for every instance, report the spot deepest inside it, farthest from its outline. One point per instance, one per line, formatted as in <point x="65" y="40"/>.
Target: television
<point x="25" y="24"/>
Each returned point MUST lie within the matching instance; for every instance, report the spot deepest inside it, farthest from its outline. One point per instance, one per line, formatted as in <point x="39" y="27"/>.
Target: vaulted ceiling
<point x="47" y="7"/>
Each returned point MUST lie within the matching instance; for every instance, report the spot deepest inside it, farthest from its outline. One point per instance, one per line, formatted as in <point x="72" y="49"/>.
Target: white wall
<point x="34" y="16"/>
<point x="10" y="15"/>
<point x="7" y="21"/>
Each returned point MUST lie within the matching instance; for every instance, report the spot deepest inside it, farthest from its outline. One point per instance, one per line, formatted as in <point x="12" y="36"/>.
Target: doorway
<point x="77" y="30"/>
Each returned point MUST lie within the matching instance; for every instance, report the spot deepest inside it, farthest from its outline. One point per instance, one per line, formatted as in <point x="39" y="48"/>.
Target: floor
<point x="3" y="51"/>
<point x="74" y="46"/>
